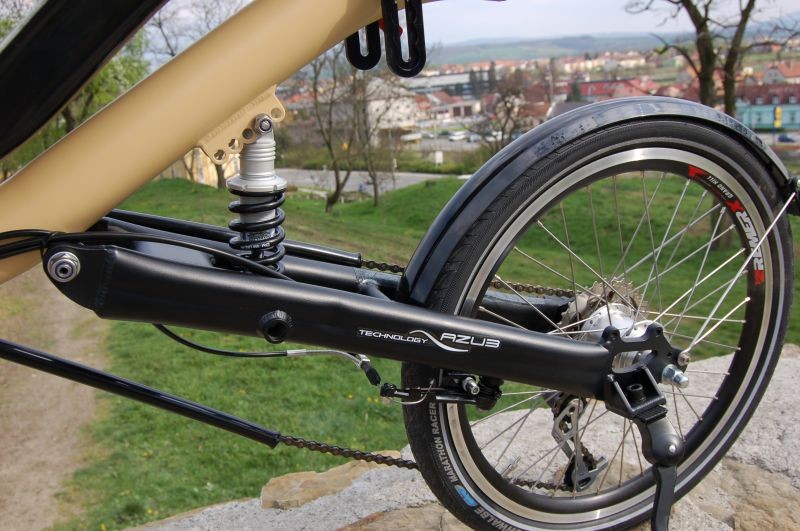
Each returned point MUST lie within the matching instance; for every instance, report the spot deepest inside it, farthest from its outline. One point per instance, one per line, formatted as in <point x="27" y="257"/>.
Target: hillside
<point x="510" y="49"/>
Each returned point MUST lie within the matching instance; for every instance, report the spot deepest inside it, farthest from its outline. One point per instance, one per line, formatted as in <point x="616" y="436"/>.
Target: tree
<point x="172" y="29"/>
<point x="374" y="97"/>
<point x="699" y="12"/>
<point x="508" y="112"/>
<point x="118" y="75"/>
<point x="331" y="88"/>
<point x="575" y="92"/>
<point x="475" y="84"/>
<point x="492" y="76"/>
<point x="719" y="41"/>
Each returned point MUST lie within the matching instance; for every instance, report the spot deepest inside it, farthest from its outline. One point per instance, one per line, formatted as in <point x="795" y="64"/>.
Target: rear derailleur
<point x="582" y="468"/>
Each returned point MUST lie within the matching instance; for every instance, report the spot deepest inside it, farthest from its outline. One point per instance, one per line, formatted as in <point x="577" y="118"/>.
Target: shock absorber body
<point x="260" y="194"/>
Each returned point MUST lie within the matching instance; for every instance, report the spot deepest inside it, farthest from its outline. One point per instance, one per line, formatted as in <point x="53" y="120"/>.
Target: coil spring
<point x="262" y="238"/>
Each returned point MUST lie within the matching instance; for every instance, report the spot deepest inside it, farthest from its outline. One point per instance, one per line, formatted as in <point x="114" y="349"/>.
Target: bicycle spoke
<point x="587" y="266"/>
<point x="656" y="254"/>
<point x="700" y="270"/>
<point x="608" y="468"/>
<point x="697" y="317"/>
<point x="568" y="246"/>
<point x="597" y="248"/>
<point x="705" y="278"/>
<point x="708" y="372"/>
<point x="638" y="454"/>
<point x="697" y="302"/>
<point x="540" y="393"/>
<point x="690" y="394"/>
<point x="636" y="231"/>
<point x="755" y="249"/>
<point x="556" y="447"/>
<point x="707" y="341"/>
<point x="497" y="316"/>
<point x="550" y="269"/>
<point x="686" y="229"/>
<point x="518" y="421"/>
<point x="711" y="330"/>
<point x="679" y="234"/>
<point x="688" y="256"/>
<point x="526" y="301"/>
<point x="619" y="229"/>
<point x="513" y="437"/>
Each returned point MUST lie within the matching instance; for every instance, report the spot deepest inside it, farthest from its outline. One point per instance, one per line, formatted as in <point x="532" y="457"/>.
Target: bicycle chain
<point x="359" y="455"/>
<point x="496" y="284"/>
<point x="381" y="459"/>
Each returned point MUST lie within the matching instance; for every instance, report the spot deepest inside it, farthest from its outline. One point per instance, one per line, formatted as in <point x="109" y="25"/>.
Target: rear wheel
<point x="653" y="221"/>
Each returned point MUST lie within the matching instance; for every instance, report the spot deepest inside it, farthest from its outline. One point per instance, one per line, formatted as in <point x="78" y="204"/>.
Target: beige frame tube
<point x="121" y="148"/>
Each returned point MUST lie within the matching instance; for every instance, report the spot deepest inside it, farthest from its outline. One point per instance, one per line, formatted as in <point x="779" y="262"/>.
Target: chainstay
<point x="496" y="284"/>
<point x="358" y="455"/>
<point x="387" y="460"/>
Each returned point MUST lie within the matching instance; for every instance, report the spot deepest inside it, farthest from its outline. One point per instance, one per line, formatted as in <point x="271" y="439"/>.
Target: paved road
<point x="324" y="179"/>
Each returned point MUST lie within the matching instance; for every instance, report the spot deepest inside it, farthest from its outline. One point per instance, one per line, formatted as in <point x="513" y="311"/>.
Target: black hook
<point x="416" y="38"/>
<point x="352" y="47"/>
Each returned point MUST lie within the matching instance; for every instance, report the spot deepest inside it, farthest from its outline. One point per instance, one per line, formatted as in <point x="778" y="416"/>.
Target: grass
<point x="158" y="464"/>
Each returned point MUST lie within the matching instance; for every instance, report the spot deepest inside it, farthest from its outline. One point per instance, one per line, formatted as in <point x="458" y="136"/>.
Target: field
<point x="156" y="464"/>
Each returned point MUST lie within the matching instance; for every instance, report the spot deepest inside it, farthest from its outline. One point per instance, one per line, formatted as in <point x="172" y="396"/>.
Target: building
<point x="390" y="106"/>
<point x="782" y="72"/>
<point x="755" y="105"/>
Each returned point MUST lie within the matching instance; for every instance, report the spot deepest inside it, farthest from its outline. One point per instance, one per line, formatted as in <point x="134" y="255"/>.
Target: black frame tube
<point x="83" y="374"/>
<point x="122" y="284"/>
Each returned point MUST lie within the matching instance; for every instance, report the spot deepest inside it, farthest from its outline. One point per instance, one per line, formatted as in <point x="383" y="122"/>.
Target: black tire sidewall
<point x="425" y="423"/>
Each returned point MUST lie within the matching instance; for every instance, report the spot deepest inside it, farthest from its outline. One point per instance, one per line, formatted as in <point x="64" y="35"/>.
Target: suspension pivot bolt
<point x="262" y="123"/>
<point x="470" y="386"/>
<point x="674" y="376"/>
<point x="63" y="266"/>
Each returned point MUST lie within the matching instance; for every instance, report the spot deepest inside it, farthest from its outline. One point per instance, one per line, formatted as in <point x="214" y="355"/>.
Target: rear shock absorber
<point x="260" y="194"/>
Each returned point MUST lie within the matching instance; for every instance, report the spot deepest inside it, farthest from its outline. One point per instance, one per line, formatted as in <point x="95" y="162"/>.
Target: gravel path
<point x="756" y="487"/>
<point x="42" y="416"/>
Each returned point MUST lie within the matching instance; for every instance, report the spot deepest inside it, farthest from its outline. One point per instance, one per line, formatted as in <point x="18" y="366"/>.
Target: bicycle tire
<point x="674" y="153"/>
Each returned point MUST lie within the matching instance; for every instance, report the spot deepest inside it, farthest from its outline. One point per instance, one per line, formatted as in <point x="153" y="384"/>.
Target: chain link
<point x="383" y="266"/>
<point x="496" y="284"/>
<point x="359" y="455"/>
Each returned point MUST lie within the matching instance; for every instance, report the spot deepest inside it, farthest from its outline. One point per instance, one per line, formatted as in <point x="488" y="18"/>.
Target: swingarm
<point x="185" y="289"/>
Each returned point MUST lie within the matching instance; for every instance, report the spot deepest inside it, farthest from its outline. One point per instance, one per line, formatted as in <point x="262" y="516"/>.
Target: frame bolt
<point x="671" y="449"/>
<point x="684" y="359"/>
<point x="470" y="386"/>
<point x="673" y="375"/>
<point x="63" y="266"/>
<point x="262" y="124"/>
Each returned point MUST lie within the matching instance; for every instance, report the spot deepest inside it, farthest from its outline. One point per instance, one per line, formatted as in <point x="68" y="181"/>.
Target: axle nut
<point x="63" y="266"/>
<point x="674" y="376"/>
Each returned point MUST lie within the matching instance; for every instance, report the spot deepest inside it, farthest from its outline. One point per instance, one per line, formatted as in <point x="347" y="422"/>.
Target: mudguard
<point x="479" y="192"/>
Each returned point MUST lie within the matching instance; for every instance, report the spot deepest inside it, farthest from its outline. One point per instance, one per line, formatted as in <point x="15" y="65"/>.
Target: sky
<point x="452" y="21"/>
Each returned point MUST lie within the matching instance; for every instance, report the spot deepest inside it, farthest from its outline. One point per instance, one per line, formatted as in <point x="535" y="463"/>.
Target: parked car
<point x="786" y="138"/>
<point x="411" y="137"/>
<point x="457" y="136"/>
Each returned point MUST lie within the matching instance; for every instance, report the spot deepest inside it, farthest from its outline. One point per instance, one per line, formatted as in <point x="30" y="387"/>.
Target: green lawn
<point x="156" y="464"/>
